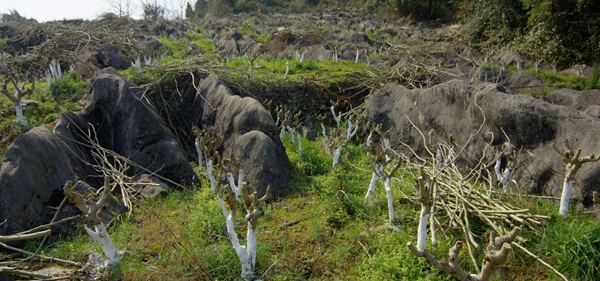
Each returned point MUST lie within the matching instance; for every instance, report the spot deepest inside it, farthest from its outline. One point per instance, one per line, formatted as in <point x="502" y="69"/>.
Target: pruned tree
<point x="335" y="46"/>
<point x="383" y="158"/>
<point x="336" y="146"/>
<point x="231" y="194"/>
<point x="495" y="255"/>
<point x="573" y="162"/>
<point x="91" y="209"/>
<point x="294" y="131"/>
<point x="21" y="89"/>
<point x="425" y="187"/>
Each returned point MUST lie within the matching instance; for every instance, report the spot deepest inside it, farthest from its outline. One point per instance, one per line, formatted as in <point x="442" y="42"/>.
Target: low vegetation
<point x="321" y="229"/>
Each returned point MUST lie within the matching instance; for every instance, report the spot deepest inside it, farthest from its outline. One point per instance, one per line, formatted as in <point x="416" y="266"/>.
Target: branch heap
<point x="573" y="163"/>
<point x="91" y="209"/>
<point x="495" y="256"/>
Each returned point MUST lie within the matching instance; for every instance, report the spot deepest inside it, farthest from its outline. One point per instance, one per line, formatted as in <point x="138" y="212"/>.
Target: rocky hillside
<point x="142" y="100"/>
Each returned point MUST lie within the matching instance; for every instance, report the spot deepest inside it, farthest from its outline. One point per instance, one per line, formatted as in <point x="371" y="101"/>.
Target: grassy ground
<point x="321" y="229"/>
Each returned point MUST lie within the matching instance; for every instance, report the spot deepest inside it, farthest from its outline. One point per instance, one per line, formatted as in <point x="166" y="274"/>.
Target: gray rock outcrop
<point x="459" y="109"/>
<point x="249" y="132"/>
<point x="38" y="164"/>
<point x="34" y="170"/>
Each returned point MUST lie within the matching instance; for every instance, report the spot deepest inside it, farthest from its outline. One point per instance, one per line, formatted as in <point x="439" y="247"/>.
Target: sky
<point x="46" y="10"/>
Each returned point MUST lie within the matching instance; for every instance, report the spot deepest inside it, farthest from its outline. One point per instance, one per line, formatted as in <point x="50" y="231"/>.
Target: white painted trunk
<point x="292" y="135"/>
<point x="422" y="231"/>
<point x="357" y="56"/>
<point x="503" y="177"/>
<point x="199" y="151"/>
<point x="352" y="129"/>
<point x="19" y="112"/>
<point x="299" y="144"/>
<point x="48" y="79"/>
<point x="237" y="189"/>
<point x="282" y="132"/>
<point x="390" y="199"/>
<point x="287" y="69"/>
<point x="372" y="186"/>
<point x="505" y="180"/>
<point x="100" y="235"/>
<point x="251" y="242"/>
<point x="240" y="250"/>
<point x="211" y="176"/>
<point x="324" y="131"/>
<point x="336" y="155"/>
<point x="564" y="198"/>
<point x="432" y="230"/>
<point x="337" y="118"/>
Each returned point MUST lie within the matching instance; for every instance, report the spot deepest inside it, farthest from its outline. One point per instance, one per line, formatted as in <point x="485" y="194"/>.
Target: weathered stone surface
<point x="33" y="172"/>
<point x="248" y="130"/>
<point x="574" y="99"/>
<point x="125" y="124"/>
<point x="508" y="58"/>
<point x="38" y="164"/>
<point x="486" y="112"/>
<point x="523" y="80"/>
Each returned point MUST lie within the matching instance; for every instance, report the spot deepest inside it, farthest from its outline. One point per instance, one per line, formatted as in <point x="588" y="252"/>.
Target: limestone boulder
<point x="33" y="172"/>
<point x="248" y="133"/>
<point x="481" y="114"/>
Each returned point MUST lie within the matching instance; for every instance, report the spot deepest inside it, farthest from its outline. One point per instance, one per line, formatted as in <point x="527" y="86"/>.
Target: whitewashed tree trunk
<point x="199" y="152"/>
<point x="240" y="250"/>
<point x="292" y="135"/>
<point x="237" y="189"/>
<point x="19" y="111"/>
<point x="372" y="186"/>
<point x="287" y="69"/>
<point x="211" y="176"/>
<point x="357" y="56"/>
<point x="324" y="131"/>
<point x="422" y="230"/>
<point x="337" y="118"/>
<point x="503" y="178"/>
<point x="564" y="198"/>
<point x="282" y="132"/>
<point x="390" y="199"/>
<point x="299" y="143"/>
<point x="100" y="235"/>
<point x="374" y="179"/>
<point x="336" y="155"/>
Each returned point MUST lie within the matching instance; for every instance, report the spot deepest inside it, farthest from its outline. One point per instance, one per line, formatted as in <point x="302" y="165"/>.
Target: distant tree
<point x="13" y="16"/>
<point x="565" y="32"/>
<point x="200" y="8"/>
<point x="189" y="11"/>
<point x="153" y="11"/>
<point x="122" y="8"/>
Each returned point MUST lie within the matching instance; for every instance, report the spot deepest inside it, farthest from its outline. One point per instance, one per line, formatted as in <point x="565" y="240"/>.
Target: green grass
<point x="336" y="235"/>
